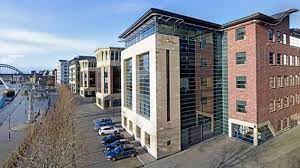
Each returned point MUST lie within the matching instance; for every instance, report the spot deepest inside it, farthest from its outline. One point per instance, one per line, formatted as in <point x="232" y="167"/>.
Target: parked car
<point x="101" y="120"/>
<point x="115" y="144"/>
<point x="108" y="130"/>
<point x="121" y="152"/>
<point x="112" y="138"/>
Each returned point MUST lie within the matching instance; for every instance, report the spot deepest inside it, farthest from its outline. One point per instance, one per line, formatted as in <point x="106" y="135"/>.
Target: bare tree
<point x="53" y="141"/>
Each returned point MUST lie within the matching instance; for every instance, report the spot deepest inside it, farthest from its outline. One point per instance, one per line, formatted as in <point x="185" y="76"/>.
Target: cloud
<point x="18" y="43"/>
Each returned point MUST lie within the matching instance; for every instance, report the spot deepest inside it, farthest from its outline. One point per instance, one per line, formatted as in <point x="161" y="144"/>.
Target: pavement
<point x="93" y="149"/>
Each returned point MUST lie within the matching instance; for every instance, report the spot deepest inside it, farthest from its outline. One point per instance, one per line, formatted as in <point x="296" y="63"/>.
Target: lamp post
<point x="9" y="127"/>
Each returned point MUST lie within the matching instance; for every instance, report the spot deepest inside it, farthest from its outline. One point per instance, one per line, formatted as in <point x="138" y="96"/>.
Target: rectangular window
<point x="112" y="55"/>
<point x="271" y="59"/>
<point x="130" y="125"/>
<point x="105" y="79"/>
<point x="240" y="34"/>
<point x="278" y="36"/>
<point x="284" y="38"/>
<point x="285" y="61"/>
<point x="280" y="103"/>
<point x="272" y="105"/>
<point x="144" y="85"/>
<point x="271" y="34"/>
<point x="116" y="79"/>
<point x="292" y="82"/>
<point x="272" y="82"/>
<point x="241" y="106"/>
<point x="286" y="102"/>
<point x="291" y="60"/>
<point x="286" y="81"/>
<point x="125" y="121"/>
<point x="204" y="102"/>
<point x="138" y="132"/>
<point x="278" y="60"/>
<point x="241" y="82"/>
<point x="203" y="62"/>
<point x="204" y="82"/>
<point x="279" y="81"/>
<point x="128" y="83"/>
<point x="147" y="139"/>
<point x="168" y="83"/>
<point x="292" y="100"/>
<point x="240" y="58"/>
<point x="106" y="103"/>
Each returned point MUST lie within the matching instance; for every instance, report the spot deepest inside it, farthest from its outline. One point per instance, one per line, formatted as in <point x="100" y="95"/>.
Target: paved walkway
<point x="93" y="155"/>
<point x="280" y="152"/>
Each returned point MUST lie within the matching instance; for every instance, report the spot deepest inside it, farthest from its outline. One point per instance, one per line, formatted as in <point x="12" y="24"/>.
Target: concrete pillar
<point x="255" y="135"/>
<point x="229" y="129"/>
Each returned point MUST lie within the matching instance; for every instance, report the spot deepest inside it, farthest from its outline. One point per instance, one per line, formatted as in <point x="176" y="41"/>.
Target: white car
<point x="108" y="130"/>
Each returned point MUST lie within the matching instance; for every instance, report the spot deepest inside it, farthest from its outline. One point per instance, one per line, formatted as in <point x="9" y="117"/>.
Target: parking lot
<point x="93" y="155"/>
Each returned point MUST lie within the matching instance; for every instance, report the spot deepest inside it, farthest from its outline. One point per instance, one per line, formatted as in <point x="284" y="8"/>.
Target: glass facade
<point x="203" y="80"/>
<point x="128" y="83"/>
<point x="144" y="85"/>
<point x="203" y="57"/>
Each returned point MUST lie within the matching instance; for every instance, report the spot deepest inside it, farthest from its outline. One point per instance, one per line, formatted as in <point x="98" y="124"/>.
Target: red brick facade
<point x="258" y="72"/>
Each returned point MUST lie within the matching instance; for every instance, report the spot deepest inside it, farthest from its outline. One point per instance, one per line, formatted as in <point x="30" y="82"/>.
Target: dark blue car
<point x="102" y="122"/>
<point x="121" y="152"/>
<point x="111" y="138"/>
<point x="115" y="144"/>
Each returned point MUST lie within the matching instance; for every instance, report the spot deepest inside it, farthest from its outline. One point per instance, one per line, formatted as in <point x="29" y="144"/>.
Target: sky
<point x="35" y="34"/>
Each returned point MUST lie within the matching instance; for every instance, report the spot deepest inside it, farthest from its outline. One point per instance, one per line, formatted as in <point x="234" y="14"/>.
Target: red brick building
<point x="263" y="76"/>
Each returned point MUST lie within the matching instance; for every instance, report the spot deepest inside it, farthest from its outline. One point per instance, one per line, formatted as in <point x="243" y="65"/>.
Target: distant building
<point x="74" y="73"/>
<point x="108" y="94"/>
<point x="62" y="72"/>
<point x="88" y="77"/>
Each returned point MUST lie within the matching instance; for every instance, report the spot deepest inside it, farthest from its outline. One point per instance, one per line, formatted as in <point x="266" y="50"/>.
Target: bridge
<point x="11" y="73"/>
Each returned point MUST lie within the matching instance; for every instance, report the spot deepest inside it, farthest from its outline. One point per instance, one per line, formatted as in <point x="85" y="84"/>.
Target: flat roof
<point x="155" y="11"/>
<point x="109" y="48"/>
<point x="273" y="19"/>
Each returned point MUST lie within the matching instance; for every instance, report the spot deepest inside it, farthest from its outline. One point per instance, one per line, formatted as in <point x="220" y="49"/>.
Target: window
<point x="130" y="125"/>
<point x="241" y="106"/>
<point x="279" y="81"/>
<point x="203" y="62"/>
<point x="241" y="82"/>
<point x="297" y="100"/>
<point x="292" y="82"/>
<point x="147" y="139"/>
<point x="117" y="55"/>
<point x="144" y="85"/>
<point x="280" y="103"/>
<point x="286" y="81"/>
<point x="286" y="102"/>
<point x="112" y="55"/>
<point x="278" y="36"/>
<point x="284" y="38"/>
<point x="285" y="61"/>
<point x="125" y="121"/>
<point x="240" y="58"/>
<point x="204" y="82"/>
<point x="168" y="83"/>
<point x="272" y="82"/>
<point x="271" y="34"/>
<point x="272" y="105"/>
<point x="204" y="102"/>
<point x="138" y="132"/>
<point x="106" y="103"/>
<point x="291" y="60"/>
<point x="240" y="34"/>
<point x="106" y="54"/>
<point x="202" y="43"/>
<point x="271" y="59"/>
<point x="292" y="100"/>
<point x="116" y="102"/>
<point x="278" y="60"/>
<point x="128" y="83"/>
